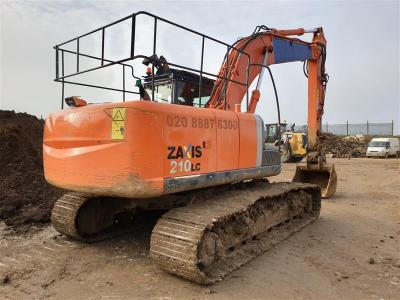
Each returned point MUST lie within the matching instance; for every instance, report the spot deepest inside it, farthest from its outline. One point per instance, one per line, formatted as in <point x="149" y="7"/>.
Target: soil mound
<point x="25" y="196"/>
<point x="350" y="146"/>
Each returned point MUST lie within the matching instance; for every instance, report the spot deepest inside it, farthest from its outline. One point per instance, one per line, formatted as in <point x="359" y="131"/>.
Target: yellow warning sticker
<point x="118" y="123"/>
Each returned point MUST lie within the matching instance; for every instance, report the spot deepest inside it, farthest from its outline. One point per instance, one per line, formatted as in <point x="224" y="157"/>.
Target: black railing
<point x="60" y="48"/>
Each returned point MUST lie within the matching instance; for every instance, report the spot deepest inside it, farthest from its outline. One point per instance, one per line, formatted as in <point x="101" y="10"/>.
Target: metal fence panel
<point x="360" y="128"/>
<point x="380" y="128"/>
<point x="338" y="129"/>
<point x="366" y="128"/>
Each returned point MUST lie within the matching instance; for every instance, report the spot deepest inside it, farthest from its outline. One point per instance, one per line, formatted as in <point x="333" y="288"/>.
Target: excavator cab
<point x="174" y="86"/>
<point x="273" y="132"/>
<point x="179" y="87"/>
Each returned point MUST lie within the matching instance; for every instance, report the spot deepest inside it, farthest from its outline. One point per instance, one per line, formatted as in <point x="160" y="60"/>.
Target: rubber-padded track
<point x="208" y="239"/>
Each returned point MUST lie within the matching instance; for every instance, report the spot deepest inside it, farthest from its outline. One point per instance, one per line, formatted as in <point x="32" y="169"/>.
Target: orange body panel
<point x="156" y="141"/>
<point x="247" y="142"/>
<point x="228" y="140"/>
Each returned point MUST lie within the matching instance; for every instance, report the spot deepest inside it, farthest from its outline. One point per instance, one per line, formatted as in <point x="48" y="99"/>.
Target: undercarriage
<point x="206" y="234"/>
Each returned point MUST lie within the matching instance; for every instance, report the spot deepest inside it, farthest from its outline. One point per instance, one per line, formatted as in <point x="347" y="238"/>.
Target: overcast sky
<point x="362" y="61"/>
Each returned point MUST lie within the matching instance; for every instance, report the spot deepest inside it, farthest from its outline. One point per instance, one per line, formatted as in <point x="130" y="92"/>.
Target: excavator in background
<point x="292" y="144"/>
<point x="206" y="163"/>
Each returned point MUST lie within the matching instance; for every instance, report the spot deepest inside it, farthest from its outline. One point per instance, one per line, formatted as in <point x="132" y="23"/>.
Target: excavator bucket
<point x="325" y="176"/>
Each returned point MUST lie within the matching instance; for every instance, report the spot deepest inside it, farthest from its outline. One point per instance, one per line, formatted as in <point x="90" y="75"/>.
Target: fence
<point x="347" y="128"/>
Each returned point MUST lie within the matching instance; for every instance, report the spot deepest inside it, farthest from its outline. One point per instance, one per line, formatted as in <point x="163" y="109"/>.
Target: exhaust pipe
<point x="325" y="176"/>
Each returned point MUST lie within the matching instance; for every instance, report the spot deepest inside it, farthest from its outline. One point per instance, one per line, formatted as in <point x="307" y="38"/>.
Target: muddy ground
<point x="351" y="252"/>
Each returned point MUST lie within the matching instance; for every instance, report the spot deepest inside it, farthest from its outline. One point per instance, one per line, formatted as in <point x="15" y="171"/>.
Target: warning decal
<point x="118" y="123"/>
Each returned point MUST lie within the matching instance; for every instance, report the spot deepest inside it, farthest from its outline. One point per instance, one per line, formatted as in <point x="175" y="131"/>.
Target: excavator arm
<point x="266" y="47"/>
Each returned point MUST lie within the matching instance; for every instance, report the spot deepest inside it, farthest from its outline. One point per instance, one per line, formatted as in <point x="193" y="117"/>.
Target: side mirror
<point x="75" y="101"/>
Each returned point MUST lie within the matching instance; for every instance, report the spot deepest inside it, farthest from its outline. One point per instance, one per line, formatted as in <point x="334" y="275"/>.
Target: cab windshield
<point x="379" y="144"/>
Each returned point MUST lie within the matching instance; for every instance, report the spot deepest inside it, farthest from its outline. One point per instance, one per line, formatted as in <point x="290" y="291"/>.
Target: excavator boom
<point x="270" y="47"/>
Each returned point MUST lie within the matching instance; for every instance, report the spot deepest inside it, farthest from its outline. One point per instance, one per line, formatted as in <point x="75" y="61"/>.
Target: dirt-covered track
<point x="208" y="239"/>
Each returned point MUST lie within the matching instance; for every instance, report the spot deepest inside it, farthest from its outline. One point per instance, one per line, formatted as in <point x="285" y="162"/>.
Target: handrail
<point x="107" y="62"/>
<point x="150" y="15"/>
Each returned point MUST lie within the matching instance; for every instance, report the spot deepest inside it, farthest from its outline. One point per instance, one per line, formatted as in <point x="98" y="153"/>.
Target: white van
<point x="383" y="147"/>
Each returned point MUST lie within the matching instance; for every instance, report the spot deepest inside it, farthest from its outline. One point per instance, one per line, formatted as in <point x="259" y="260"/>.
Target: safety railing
<point x="64" y="78"/>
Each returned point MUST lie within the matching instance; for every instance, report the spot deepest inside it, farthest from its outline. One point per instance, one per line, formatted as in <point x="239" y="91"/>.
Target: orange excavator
<point x="206" y="163"/>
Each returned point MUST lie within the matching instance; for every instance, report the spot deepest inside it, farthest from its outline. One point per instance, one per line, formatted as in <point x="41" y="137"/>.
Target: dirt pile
<point x="25" y="196"/>
<point x="344" y="146"/>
